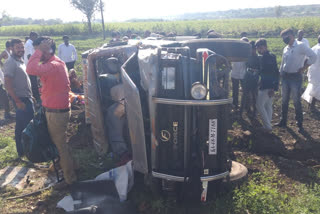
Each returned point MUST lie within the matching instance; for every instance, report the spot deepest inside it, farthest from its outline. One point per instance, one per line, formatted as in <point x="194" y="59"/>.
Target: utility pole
<point x="104" y="31"/>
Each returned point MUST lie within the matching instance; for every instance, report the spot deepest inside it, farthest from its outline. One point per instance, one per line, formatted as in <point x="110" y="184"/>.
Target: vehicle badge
<point x="165" y="135"/>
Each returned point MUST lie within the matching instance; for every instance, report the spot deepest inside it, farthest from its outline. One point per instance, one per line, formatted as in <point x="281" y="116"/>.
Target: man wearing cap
<point x="55" y="99"/>
<point x="67" y="53"/>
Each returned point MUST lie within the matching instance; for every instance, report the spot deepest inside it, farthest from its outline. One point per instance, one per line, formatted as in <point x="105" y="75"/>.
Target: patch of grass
<point x="7" y="151"/>
<point x="259" y="196"/>
<point x="307" y="201"/>
<point x="90" y="164"/>
<point x="262" y="195"/>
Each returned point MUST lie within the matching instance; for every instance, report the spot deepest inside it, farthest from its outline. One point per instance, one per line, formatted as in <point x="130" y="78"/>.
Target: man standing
<point x="55" y="98"/>
<point x="301" y="39"/>
<point x="4" y="99"/>
<point x="237" y="75"/>
<point x="28" y="51"/>
<point x="269" y="82"/>
<point x="250" y="83"/>
<point x="17" y="84"/>
<point x="293" y="64"/>
<point x="67" y="53"/>
<point x="312" y="93"/>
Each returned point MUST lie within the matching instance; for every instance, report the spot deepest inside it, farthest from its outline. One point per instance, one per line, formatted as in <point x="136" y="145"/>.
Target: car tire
<point x="233" y="50"/>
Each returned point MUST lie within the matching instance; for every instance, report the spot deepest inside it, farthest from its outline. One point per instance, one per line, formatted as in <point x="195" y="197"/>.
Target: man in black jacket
<point x="269" y="81"/>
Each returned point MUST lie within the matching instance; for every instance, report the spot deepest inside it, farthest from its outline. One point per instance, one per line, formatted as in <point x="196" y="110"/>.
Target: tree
<point x="4" y="18"/>
<point x="88" y="8"/>
<point x="102" y="20"/>
<point x="278" y="11"/>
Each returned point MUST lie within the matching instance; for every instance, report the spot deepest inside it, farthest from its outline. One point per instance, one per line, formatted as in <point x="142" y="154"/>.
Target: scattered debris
<point x="106" y="194"/>
<point x="27" y="179"/>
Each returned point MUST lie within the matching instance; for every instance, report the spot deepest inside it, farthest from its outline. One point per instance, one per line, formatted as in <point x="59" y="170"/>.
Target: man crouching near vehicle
<point x="53" y="75"/>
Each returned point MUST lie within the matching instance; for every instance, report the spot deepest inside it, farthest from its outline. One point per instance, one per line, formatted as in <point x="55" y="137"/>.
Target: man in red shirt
<point x="54" y="77"/>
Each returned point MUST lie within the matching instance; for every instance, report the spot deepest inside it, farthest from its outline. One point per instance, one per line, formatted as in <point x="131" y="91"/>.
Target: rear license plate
<point x="213" y="126"/>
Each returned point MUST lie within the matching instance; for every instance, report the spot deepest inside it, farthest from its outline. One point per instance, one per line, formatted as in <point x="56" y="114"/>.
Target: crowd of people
<point x="259" y="79"/>
<point x="23" y="64"/>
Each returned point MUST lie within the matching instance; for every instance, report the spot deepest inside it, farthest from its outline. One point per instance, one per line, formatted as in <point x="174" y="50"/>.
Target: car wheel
<point x="237" y="176"/>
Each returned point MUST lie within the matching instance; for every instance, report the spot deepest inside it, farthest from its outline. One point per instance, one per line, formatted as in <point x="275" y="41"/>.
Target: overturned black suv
<point x="177" y="106"/>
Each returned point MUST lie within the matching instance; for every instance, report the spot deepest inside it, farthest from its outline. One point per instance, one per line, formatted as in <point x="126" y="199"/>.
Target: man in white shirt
<point x="28" y="46"/>
<point x="67" y="53"/>
<point x="28" y="51"/>
<point x="301" y="39"/>
<point x="296" y="58"/>
<point x="237" y="75"/>
<point x="312" y="92"/>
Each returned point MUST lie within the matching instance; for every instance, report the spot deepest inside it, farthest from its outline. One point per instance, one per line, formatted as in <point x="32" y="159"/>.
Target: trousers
<point x="70" y="65"/>
<point x="57" y="126"/>
<point x="291" y="84"/>
<point x="264" y="107"/>
<point x="235" y="91"/>
<point x="23" y="117"/>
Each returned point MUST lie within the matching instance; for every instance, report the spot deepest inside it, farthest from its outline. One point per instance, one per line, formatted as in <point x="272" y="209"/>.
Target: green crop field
<point x="265" y="27"/>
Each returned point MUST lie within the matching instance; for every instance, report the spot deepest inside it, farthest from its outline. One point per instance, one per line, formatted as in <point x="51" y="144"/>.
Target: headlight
<point x="198" y="91"/>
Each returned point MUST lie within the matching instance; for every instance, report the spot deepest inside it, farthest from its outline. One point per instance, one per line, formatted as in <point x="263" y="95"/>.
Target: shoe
<point x="300" y="127"/>
<point x="301" y="130"/>
<point x="281" y="124"/>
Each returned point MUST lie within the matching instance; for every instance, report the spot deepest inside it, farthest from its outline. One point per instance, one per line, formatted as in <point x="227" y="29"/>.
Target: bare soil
<point x="295" y="155"/>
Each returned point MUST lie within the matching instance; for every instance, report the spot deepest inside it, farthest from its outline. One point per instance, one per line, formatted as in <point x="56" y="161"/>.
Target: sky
<point x="121" y="10"/>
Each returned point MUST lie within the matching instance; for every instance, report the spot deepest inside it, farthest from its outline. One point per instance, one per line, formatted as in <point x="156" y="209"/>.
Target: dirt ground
<point x="295" y="156"/>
